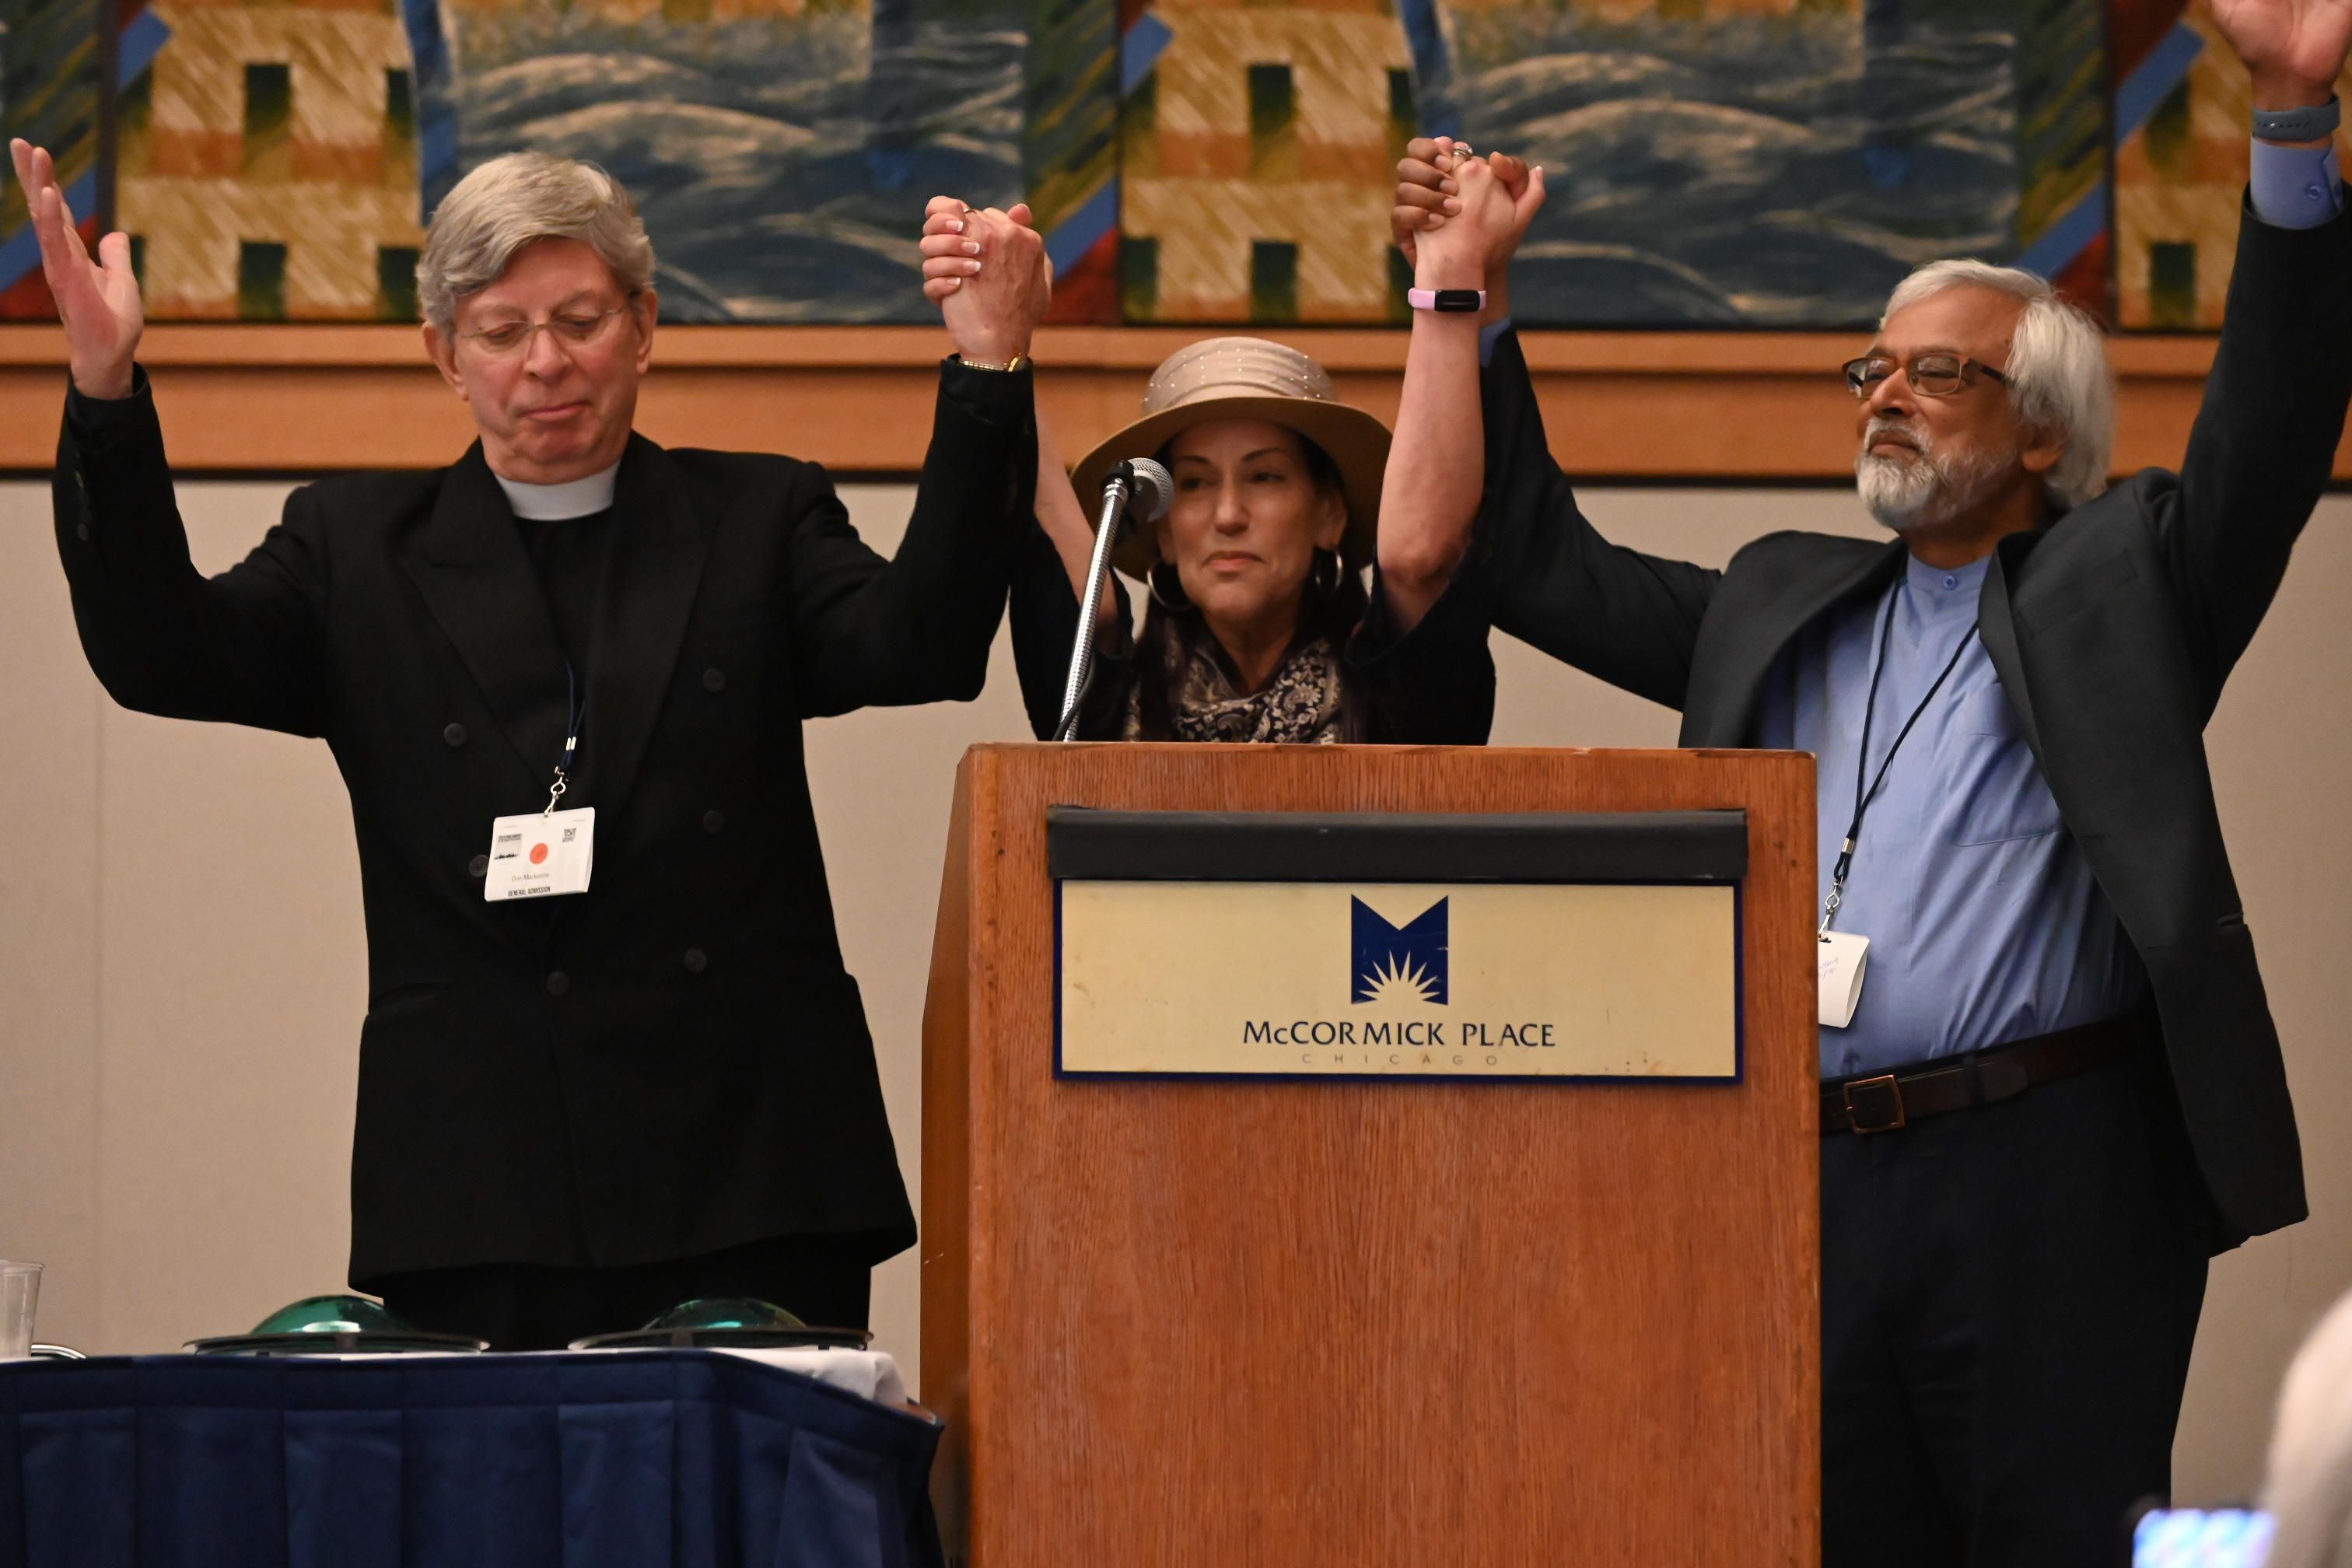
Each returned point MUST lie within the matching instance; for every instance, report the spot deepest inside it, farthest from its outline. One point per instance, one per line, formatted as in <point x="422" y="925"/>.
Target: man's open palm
<point x="98" y="299"/>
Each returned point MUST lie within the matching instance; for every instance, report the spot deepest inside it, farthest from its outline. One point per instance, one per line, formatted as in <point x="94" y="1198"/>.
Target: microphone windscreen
<point x="1155" y="488"/>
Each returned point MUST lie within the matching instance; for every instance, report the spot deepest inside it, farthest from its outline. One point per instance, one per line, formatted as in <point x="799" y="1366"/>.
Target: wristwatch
<point x="1018" y="362"/>
<point x="2312" y="122"/>
<point x="1453" y="301"/>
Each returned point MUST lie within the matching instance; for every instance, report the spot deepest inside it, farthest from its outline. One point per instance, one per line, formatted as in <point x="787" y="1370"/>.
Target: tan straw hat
<point x="1247" y="378"/>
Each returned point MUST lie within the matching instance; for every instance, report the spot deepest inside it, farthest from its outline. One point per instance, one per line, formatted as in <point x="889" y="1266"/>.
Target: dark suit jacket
<point x="675" y="1062"/>
<point x="2112" y="631"/>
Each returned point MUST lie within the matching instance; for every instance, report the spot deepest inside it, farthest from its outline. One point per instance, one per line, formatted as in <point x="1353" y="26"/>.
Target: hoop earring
<point x="1171" y="596"/>
<point x="1323" y="590"/>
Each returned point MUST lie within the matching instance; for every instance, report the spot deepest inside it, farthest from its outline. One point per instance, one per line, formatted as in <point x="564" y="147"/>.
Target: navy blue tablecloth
<point x="645" y="1460"/>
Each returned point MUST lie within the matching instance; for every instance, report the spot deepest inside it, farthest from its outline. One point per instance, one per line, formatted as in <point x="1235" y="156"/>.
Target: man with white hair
<point x="612" y="1058"/>
<point x="2059" y="1088"/>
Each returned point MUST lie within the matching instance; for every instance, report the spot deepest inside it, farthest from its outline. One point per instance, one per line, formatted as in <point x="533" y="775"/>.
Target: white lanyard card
<point x="540" y="854"/>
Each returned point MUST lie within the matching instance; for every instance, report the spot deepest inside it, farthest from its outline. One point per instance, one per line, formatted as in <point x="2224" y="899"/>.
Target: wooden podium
<point x="1264" y="1319"/>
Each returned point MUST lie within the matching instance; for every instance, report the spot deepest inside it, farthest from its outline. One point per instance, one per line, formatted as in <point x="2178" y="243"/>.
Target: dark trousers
<point x="823" y="1280"/>
<point x="2009" y="1296"/>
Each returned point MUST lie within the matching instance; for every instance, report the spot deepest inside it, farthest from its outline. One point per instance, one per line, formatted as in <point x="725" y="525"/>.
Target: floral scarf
<point x="1301" y="703"/>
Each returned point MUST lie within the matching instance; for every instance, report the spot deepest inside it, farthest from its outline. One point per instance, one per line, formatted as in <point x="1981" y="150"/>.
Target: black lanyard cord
<point x="1863" y="797"/>
<point x="574" y="711"/>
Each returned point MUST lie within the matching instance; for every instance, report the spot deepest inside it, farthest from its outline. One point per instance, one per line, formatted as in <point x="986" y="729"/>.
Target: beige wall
<point x="182" y="979"/>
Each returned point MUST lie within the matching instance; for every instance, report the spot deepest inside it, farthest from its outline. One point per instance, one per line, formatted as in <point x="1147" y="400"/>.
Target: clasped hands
<point x="1458" y="218"/>
<point x="1460" y="215"/>
<point x="987" y="271"/>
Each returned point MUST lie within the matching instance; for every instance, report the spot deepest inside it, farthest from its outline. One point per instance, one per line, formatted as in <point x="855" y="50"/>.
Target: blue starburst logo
<point x="1399" y="963"/>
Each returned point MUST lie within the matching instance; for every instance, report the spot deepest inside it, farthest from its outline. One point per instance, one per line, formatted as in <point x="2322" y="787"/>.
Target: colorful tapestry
<point x="1711" y="162"/>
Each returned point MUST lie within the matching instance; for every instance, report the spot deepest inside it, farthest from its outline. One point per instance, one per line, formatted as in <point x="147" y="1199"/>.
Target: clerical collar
<point x="554" y="504"/>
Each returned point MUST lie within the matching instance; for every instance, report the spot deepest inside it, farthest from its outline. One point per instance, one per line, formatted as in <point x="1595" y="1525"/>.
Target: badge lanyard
<point x="554" y="851"/>
<point x="1862" y="797"/>
<point x="575" y="710"/>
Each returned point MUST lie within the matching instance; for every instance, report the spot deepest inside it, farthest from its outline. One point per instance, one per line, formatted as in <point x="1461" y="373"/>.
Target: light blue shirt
<point x="1984" y="920"/>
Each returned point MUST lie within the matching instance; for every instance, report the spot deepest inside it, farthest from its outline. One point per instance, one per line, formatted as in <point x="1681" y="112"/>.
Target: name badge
<point x="1843" y="957"/>
<point x="541" y="854"/>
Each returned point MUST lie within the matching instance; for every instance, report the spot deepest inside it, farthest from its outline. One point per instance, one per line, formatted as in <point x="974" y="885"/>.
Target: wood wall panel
<point x="1284" y="1322"/>
<point x="1646" y="405"/>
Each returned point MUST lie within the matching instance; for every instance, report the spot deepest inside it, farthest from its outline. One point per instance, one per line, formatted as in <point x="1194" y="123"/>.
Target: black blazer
<point x="675" y="1062"/>
<point x="1434" y="689"/>
<point x="2112" y="631"/>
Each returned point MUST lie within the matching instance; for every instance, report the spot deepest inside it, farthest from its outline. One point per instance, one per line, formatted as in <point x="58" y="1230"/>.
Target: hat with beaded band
<point x="1247" y="378"/>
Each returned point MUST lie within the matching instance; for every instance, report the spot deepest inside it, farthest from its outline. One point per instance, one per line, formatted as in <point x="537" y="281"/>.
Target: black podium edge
<point x="1083" y="844"/>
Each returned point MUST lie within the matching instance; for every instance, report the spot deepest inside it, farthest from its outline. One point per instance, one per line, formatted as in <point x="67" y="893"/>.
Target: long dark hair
<point x="1165" y="646"/>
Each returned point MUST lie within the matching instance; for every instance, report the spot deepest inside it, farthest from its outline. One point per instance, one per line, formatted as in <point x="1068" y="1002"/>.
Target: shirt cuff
<point x="2296" y="187"/>
<point x="1489" y="336"/>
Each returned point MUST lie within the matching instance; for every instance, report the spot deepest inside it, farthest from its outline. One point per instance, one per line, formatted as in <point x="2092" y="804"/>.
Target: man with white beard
<point x="2058" y="1089"/>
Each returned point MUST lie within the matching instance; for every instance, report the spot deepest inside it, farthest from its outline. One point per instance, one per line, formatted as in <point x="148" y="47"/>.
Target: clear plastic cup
<point x="20" y="1291"/>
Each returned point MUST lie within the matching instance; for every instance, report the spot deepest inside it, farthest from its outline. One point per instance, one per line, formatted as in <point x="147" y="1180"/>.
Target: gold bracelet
<point x="1018" y="362"/>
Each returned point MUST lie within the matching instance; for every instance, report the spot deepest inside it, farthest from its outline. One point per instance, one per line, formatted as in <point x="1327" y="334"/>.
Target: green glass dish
<point x="727" y="1312"/>
<point x="728" y="1322"/>
<point x="335" y="1325"/>
<point x="334" y="1315"/>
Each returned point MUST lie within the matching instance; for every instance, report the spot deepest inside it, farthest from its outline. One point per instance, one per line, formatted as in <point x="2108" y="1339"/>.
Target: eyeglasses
<point x="507" y="338"/>
<point x="1930" y="374"/>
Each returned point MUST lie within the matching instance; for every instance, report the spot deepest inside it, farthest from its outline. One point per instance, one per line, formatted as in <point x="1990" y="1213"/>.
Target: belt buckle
<point x="1875" y="1104"/>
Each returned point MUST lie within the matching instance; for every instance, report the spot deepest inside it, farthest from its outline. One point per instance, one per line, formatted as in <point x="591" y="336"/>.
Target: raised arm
<point x="1435" y="476"/>
<point x="951" y="246"/>
<point x="2265" y="437"/>
<point x="1531" y="564"/>
<point x="1057" y="556"/>
<point x="917" y="629"/>
<point x="243" y="648"/>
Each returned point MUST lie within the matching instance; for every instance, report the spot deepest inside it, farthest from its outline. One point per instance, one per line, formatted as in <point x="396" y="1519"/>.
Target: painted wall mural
<point x="1712" y="163"/>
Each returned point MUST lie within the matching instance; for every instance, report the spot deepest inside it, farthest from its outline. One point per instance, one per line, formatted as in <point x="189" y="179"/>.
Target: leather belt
<point x="1889" y="1101"/>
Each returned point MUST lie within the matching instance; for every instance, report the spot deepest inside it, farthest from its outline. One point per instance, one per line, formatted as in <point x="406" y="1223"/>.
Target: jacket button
<point x="713" y="820"/>
<point x="696" y="961"/>
<point x="455" y="734"/>
<point x="81" y="531"/>
<point x="480" y="866"/>
<point x="558" y="983"/>
<point x="714" y="679"/>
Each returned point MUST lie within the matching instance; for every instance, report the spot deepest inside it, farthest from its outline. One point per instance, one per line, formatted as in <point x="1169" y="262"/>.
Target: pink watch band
<point x="1465" y="302"/>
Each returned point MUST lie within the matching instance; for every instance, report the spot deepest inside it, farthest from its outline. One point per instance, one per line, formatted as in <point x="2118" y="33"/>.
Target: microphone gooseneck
<point x="1141" y="491"/>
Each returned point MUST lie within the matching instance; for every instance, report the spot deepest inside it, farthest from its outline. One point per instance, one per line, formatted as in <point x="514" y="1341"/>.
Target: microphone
<point x="1157" y="480"/>
<point x="1139" y="491"/>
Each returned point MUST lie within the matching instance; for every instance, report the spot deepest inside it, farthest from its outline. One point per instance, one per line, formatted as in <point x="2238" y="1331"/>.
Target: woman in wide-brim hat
<point x="1255" y="573"/>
